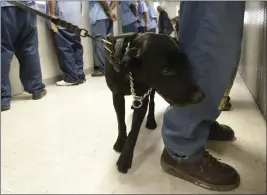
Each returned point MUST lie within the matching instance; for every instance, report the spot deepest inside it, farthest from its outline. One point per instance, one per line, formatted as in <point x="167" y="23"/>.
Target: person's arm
<point x="112" y="5"/>
<point x="52" y="7"/>
<point x="133" y="9"/>
<point x="105" y="6"/>
<point x="107" y="10"/>
<point x="146" y="14"/>
<point x="52" y="11"/>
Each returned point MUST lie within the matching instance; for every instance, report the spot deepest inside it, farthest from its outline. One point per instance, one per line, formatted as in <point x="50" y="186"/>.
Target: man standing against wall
<point x="19" y="36"/>
<point x="165" y="25"/>
<point x="68" y="45"/>
<point x="143" y="16"/>
<point x="101" y="20"/>
<point x="128" y="16"/>
<point x="213" y="47"/>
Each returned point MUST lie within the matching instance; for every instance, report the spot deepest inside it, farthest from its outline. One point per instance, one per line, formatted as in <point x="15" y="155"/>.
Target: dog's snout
<point x="198" y="96"/>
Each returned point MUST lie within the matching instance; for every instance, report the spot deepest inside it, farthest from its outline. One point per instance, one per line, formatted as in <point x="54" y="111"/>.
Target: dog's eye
<point x="167" y="72"/>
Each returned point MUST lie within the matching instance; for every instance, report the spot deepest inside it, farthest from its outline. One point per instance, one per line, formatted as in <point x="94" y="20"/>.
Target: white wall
<point x="49" y="65"/>
<point x="171" y="7"/>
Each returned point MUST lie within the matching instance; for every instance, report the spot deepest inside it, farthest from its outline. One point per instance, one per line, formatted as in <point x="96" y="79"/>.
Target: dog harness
<point x="109" y="46"/>
<point x="115" y="56"/>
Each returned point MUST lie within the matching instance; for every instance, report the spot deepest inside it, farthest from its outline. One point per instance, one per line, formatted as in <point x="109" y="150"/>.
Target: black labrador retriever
<point x="140" y="65"/>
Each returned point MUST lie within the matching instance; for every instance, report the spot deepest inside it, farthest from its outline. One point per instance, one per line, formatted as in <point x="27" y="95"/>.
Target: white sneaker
<point x="64" y="83"/>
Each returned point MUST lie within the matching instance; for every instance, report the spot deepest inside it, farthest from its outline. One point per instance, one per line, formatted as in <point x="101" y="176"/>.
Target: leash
<point x="137" y="100"/>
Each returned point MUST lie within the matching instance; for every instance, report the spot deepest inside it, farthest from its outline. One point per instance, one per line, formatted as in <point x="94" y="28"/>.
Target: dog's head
<point x="157" y="61"/>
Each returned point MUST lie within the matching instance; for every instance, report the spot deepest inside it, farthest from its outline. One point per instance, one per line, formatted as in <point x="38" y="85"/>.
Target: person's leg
<point x="210" y="34"/>
<point x="129" y="28"/>
<point x="8" y="35"/>
<point x="27" y="52"/>
<point x="99" y="28"/>
<point x="153" y="30"/>
<point x="64" y="42"/>
<point x="110" y="27"/>
<point x="141" y="29"/>
<point x="78" y="48"/>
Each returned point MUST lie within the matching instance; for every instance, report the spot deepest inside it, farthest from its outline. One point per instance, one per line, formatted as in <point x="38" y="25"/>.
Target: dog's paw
<point x="151" y="124"/>
<point x="124" y="163"/>
<point x="118" y="146"/>
<point x="132" y="107"/>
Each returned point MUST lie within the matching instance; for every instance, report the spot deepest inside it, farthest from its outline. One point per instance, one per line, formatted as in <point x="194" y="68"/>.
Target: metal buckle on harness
<point x="137" y="102"/>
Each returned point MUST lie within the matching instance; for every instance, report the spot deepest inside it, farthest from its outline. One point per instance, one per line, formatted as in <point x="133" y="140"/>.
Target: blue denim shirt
<point x="126" y="15"/>
<point x="70" y="11"/>
<point x="141" y="8"/>
<point x="151" y="16"/>
<point x="28" y="3"/>
<point x="96" y="11"/>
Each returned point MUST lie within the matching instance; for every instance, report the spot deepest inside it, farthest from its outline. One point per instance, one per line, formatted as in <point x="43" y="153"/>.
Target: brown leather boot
<point x="208" y="173"/>
<point x="221" y="132"/>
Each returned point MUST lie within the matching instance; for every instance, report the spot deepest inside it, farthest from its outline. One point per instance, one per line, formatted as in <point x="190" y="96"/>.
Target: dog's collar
<point x="115" y="61"/>
<point x="137" y="100"/>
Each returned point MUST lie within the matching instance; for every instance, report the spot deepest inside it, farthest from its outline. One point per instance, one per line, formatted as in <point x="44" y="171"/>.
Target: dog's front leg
<point x="151" y="122"/>
<point x="119" y="105"/>
<point x="125" y="160"/>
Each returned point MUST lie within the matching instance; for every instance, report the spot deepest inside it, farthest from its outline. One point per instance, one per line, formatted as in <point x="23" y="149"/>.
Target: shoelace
<point x="210" y="160"/>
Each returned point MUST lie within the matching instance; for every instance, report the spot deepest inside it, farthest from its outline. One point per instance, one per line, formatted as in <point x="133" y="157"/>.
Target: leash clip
<point x="137" y="102"/>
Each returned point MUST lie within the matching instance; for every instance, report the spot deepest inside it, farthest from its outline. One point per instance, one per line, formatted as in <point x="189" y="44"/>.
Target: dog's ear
<point x="136" y="48"/>
<point x="126" y="52"/>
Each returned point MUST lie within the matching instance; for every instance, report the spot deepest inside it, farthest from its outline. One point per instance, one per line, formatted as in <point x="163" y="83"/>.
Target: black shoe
<point x="227" y="104"/>
<point x="207" y="173"/>
<point x="221" y="132"/>
<point x="40" y="95"/>
<point x="97" y="73"/>
<point x="82" y="81"/>
<point x="4" y="108"/>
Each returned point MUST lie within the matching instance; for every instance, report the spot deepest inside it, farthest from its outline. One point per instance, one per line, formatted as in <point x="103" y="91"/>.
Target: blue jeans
<point x="210" y="34"/>
<point x="103" y="28"/>
<point x="129" y="28"/>
<point x="70" y="55"/>
<point x="19" y="36"/>
<point x="154" y="30"/>
<point x="142" y="29"/>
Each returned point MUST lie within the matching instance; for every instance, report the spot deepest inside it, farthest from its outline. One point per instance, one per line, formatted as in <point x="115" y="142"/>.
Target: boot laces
<point x="210" y="160"/>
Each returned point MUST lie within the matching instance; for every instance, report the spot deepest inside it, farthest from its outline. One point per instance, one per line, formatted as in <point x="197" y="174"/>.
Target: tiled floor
<point x="63" y="144"/>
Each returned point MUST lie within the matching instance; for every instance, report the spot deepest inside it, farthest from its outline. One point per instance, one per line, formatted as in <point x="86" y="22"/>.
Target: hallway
<point x="63" y="144"/>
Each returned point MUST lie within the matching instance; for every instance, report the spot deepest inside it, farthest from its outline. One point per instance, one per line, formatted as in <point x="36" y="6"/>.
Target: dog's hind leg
<point x="119" y="105"/>
<point x="125" y="160"/>
<point x="151" y="122"/>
